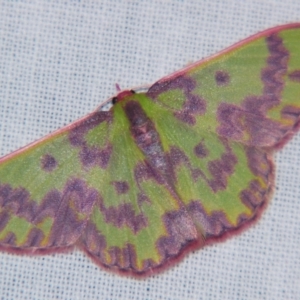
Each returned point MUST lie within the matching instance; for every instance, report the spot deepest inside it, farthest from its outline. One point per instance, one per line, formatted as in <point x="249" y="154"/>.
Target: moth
<point x="187" y="163"/>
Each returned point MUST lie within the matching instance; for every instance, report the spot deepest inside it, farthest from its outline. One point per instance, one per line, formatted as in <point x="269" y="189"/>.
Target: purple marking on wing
<point x="277" y="65"/>
<point x="123" y="258"/>
<point x="196" y="173"/>
<point x="181" y="232"/>
<point x="214" y="224"/>
<point x="295" y="76"/>
<point x="200" y="150"/>
<point x="93" y="156"/>
<point x="105" y="156"/>
<point x="292" y="113"/>
<point x="178" y="157"/>
<point x="259" y="163"/>
<point x="187" y="84"/>
<point x="236" y="123"/>
<point x="230" y="118"/>
<point x="258" y="104"/>
<point x="47" y="208"/>
<point x="16" y="201"/>
<point x="148" y="264"/>
<point x="185" y="117"/>
<point x="121" y="187"/>
<point x="4" y="218"/>
<point x="9" y="239"/>
<point x="114" y="254"/>
<point x="34" y="238"/>
<point x="222" y="78"/>
<point x="194" y="104"/>
<point x="69" y="209"/>
<point x="123" y="215"/>
<point x="48" y="163"/>
<point x="254" y="196"/>
<point x="142" y="198"/>
<point x="76" y="135"/>
<point x="249" y="119"/>
<point x="94" y="241"/>
<point x="75" y="199"/>
<point x="126" y="260"/>
<point x="143" y="171"/>
<point x="221" y="169"/>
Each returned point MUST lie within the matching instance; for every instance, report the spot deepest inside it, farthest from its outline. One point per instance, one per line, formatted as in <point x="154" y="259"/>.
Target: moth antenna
<point x="118" y="87"/>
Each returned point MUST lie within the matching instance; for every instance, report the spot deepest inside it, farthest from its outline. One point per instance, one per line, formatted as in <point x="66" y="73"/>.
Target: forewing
<point x="45" y="194"/>
<point x="249" y="93"/>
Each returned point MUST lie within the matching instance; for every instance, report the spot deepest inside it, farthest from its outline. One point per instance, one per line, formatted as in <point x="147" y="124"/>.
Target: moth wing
<point x="248" y="93"/>
<point x="45" y="195"/>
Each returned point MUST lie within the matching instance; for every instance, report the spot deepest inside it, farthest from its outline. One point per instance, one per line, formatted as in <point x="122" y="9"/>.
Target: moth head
<point x="122" y="95"/>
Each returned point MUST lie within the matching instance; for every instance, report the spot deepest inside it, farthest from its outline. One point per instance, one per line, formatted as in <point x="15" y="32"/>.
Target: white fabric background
<point x="61" y="59"/>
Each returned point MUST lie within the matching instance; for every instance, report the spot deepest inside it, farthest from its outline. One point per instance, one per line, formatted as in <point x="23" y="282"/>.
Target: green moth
<point x="183" y="165"/>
